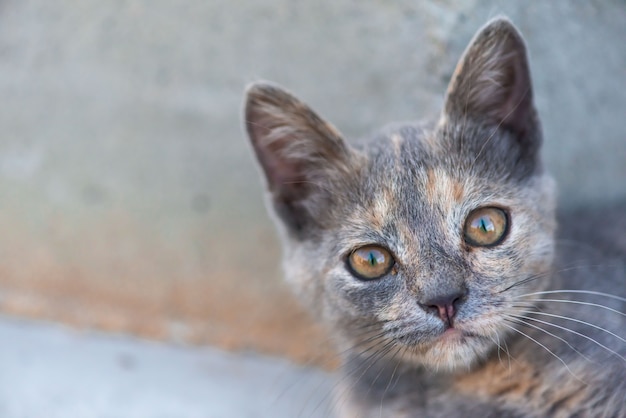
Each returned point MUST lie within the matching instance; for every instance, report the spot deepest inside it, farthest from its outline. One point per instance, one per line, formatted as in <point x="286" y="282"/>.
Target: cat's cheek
<point x="492" y="268"/>
<point x="533" y="238"/>
<point x="361" y="298"/>
<point x="527" y="250"/>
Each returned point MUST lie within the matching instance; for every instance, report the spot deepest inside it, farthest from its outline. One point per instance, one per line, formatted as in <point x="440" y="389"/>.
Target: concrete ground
<point x="53" y="371"/>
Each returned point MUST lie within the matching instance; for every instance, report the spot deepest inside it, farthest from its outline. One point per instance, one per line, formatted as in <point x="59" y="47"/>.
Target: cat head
<point x="423" y="238"/>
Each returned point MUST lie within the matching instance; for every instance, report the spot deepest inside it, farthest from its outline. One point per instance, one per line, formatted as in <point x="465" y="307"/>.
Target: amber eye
<point x="370" y="262"/>
<point x="486" y="227"/>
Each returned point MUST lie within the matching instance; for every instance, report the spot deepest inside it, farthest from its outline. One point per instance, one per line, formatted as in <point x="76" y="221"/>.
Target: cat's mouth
<point x="451" y="351"/>
<point x="456" y="345"/>
<point x="452" y="333"/>
<point x="455" y="348"/>
<point x="456" y="335"/>
<point x="451" y="336"/>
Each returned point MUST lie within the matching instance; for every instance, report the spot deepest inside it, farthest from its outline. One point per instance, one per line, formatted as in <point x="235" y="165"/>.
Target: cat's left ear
<point x="492" y="83"/>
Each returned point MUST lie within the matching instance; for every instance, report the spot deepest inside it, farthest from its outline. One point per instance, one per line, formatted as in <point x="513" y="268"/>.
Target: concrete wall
<point x="129" y="200"/>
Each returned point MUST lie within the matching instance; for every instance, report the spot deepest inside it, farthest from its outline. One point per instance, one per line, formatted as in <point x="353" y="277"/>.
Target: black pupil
<point x="485" y="224"/>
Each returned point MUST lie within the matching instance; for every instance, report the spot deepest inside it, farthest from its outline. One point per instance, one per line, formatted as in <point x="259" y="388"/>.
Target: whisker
<point x="526" y="304"/>
<point x="520" y="318"/>
<point x="508" y="353"/>
<point x="578" y="302"/>
<point x="548" y="350"/>
<point x="522" y="282"/>
<point x="388" y="346"/>
<point x="315" y="360"/>
<point x="549" y="273"/>
<point x="379" y="353"/>
<point x="375" y="357"/>
<point x="393" y="373"/>
<point x="579" y="334"/>
<point x="584" y="292"/>
<point x="583" y="323"/>
<point x="371" y="339"/>
<point x="496" y="341"/>
<point x="382" y="369"/>
<point x="499" y="348"/>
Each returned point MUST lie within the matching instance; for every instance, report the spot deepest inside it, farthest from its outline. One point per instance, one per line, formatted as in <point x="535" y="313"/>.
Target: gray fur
<point x="410" y="189"/>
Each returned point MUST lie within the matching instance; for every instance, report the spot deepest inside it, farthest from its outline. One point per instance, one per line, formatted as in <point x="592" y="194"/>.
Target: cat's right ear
<point x="298" y="151"/>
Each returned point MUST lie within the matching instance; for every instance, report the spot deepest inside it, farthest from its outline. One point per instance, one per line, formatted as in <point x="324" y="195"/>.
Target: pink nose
<point x="445" y="306"/>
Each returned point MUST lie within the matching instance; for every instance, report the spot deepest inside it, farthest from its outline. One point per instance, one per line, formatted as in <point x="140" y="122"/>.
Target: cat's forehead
<point x="419" y="162"/>
<point x="416" y="178"/>
<point x="442" y="161"/>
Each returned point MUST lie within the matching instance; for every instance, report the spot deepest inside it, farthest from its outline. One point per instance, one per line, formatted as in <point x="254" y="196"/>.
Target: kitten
<point x="430" y="253"/>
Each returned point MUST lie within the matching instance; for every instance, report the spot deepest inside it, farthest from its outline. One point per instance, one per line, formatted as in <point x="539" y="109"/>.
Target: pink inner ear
<point x="285" y="174"/>
<point x="294" y="146"/>
<point x="281" y="174"/>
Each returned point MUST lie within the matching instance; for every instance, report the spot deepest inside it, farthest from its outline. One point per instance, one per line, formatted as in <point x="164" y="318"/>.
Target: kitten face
<point x="404" y="199"/>
<point x="414" y="202"/>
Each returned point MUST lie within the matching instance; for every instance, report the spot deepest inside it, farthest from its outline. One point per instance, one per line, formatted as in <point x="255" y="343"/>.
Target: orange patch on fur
<point x="457" y="191"/>
<point x="377" y="214"/>
<point x="496" y="379"/>
<point x="442" y="189"/>
<point x="521" y="384"/>
<point x="431" y="185"/>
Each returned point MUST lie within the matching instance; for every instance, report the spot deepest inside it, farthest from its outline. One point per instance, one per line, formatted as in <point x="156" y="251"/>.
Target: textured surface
<point x="54" y="372"/>
<point x="130" y="200"/>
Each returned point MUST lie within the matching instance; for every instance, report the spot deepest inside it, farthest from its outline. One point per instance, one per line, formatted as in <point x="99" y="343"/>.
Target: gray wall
<point x="128" y="196"/>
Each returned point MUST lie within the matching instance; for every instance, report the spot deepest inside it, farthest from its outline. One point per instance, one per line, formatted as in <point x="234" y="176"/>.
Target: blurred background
<point x="129" y="199"/>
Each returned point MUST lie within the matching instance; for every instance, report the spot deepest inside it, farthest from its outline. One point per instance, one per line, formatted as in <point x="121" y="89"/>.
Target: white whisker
<point x="585" y="292"/>
<point x="393" y="373"/>
<point x="548" y="350"/>
<point x="582" y="322"/>
<point x="499" y="348"/>
<point x="578" y="302"/>
<point x="372" y="359"/>
<point x="520" y="319"/>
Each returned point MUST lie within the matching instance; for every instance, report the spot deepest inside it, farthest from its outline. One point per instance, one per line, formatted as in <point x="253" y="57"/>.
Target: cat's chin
<point x="453" y="350"/>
